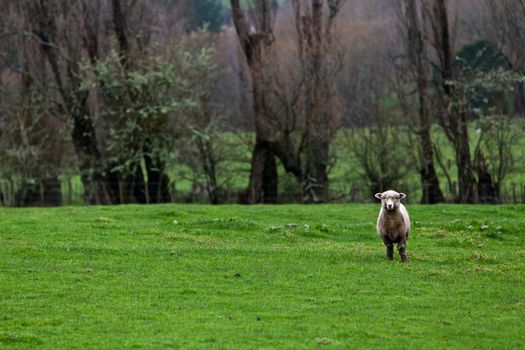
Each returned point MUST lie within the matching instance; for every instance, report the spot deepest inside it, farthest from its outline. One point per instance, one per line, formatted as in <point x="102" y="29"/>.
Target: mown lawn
<point x="260" y="277"/>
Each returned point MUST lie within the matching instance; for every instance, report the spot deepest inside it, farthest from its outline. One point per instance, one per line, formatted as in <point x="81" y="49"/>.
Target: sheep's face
<point x="390" y="200"/>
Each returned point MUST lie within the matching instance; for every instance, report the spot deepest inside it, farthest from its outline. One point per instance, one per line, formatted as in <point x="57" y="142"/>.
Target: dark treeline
<point x="303" y="99"/>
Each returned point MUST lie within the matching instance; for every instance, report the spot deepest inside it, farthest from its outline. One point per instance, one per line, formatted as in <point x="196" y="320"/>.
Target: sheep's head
<point x="390" y="200"/>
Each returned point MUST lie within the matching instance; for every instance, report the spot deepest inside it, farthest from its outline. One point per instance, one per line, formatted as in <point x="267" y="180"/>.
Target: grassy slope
<point x="239" y="277"/>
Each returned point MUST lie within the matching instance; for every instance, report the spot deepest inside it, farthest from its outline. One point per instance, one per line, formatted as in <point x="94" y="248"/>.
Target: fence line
<point x="70" y="193"/>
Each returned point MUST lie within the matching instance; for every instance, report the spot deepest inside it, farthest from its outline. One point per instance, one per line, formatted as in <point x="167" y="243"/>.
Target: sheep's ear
<point x="378" y="195"/>
<point x="403" y="196"/>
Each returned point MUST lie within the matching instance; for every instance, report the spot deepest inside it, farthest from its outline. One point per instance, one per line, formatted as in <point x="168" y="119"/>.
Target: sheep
<point x="393" y="223"/>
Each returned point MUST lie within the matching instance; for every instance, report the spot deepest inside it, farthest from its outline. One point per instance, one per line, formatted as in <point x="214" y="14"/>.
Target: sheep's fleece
<point x="393" y="223"/>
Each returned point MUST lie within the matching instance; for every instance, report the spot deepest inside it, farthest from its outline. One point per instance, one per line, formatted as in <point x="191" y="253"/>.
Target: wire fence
<point x="72" y="193"/>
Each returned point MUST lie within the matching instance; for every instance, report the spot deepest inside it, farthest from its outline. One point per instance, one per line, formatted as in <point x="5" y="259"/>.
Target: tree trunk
<point x="263" y="175"/>
<point x="519" y="99"/>
<point x="158" y="181"/>
<point x="208" y="162"/>
<point x="487" y="189"/>
<point x="97" y="188"/>
<point x="466" y="180"/>
<point x="137" y="186"/>
<point x="117" y="186"/>
<point x="52" y="192"/>
<point x="315" y="184"/>
<point x="264" y="181"/>
<point x="429" y="180"/>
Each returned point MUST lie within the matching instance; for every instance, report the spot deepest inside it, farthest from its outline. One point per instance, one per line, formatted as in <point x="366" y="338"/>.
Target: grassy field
<point x="274" y="277"/>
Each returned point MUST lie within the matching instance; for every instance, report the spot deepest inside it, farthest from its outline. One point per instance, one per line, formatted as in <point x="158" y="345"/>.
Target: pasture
<point x="260" y="277"/>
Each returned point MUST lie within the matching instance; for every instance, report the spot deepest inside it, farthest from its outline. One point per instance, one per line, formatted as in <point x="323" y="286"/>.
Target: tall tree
<point x="256" y="40"/>
<point x="63" y="54"/>
<point x="414" y="32"/>
<point x="32" y="158"/>
<point x="314" y="21"/>
<point x="452" y="115"/>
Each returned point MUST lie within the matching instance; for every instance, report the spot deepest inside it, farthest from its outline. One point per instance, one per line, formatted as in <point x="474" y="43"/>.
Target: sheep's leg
<point x="402" y="251"/>
<point x="389" y="247"/>
<point x="390" y="251"/>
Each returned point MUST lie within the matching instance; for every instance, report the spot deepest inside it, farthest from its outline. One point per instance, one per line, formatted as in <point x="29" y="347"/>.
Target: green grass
<point x="275" y="277"/>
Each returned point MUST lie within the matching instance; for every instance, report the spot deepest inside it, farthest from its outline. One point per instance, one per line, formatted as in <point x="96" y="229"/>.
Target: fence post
<point x="12" y="200"/>
<point x="41" y="193"/>
<point x="69" y="192"/>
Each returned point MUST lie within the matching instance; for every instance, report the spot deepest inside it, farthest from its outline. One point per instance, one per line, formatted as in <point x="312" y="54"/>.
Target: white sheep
<point x="393" y="223"/>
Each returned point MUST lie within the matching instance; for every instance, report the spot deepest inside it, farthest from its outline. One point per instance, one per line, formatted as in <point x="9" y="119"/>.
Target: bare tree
<point x="301" y="112"/>
<point x="63" y="55"/>
<point x="414" y="32"/>
<point x="31" y="156"/>
<point x="452" y="112"/>
<point x="321" y="62"/>
<point x="256" y="40"/>
<point x="507" y="19"/>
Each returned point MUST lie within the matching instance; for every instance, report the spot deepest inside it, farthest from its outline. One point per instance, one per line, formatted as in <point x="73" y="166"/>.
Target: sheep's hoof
<point x="403" y="254"/>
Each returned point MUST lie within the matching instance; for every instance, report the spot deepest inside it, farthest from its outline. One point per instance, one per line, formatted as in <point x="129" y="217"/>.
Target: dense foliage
<point x="260" y="101"/>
